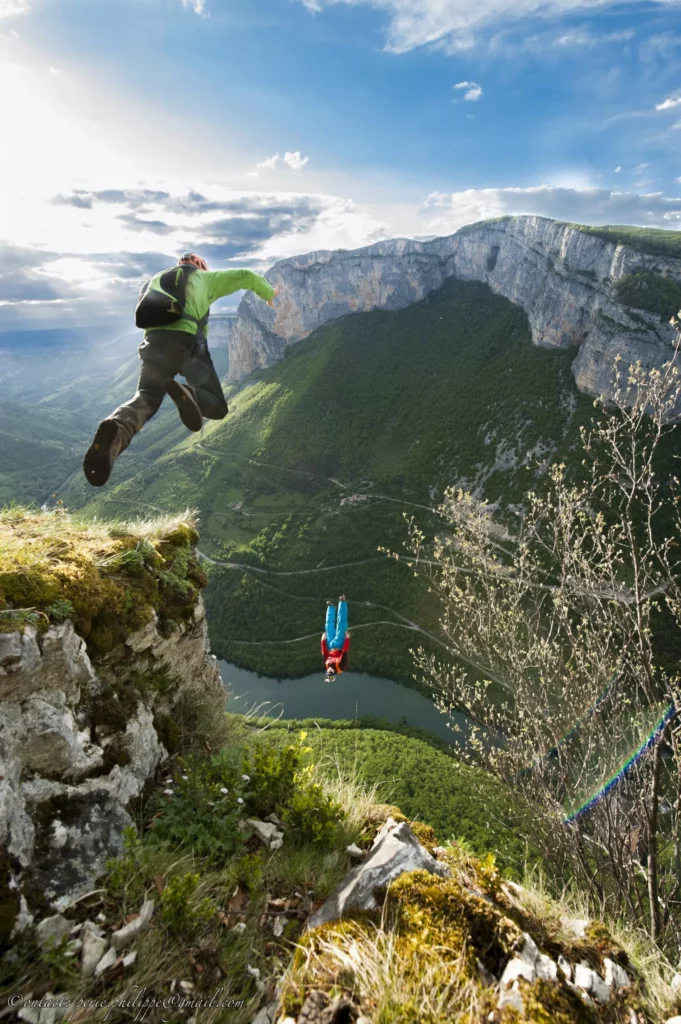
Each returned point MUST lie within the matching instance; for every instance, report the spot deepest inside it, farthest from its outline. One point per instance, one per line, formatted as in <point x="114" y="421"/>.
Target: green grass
<point x="653" y="241"/>
<point x="425" y="781"/>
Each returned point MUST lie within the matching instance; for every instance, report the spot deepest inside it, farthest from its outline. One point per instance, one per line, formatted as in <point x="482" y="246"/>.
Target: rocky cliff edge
<point x="104" y="659"/>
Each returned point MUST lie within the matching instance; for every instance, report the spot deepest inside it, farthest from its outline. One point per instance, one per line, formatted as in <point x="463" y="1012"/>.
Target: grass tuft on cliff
<point x="108" y="578"/>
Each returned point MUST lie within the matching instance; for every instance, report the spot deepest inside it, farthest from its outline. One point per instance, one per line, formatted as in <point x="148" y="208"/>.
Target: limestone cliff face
<point x="562" y="277"/>
<point x="78" y="742"/>
<point x="220" y="330"/>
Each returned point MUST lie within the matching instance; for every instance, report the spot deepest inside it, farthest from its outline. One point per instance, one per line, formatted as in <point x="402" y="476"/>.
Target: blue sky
<point x="257" y="130"/>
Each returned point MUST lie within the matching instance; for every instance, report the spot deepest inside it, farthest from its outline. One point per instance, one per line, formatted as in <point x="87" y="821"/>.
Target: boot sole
<point x="189" y="411"/>
<point x="97" y="464"/>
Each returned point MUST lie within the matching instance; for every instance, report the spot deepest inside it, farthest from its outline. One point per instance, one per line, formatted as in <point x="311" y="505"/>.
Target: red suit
<point x="338" y="657"/>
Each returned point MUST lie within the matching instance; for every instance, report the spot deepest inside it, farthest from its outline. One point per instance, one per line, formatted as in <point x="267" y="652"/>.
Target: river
<point x="350" y="696"/>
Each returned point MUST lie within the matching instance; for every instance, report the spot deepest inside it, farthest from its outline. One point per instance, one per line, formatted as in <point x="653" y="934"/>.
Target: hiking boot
<point x="183" y="397"/>
<point x="102" y="453"/>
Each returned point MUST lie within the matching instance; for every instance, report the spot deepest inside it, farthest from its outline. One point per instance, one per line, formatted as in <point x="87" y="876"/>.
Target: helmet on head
<point x="196" y="261"/>
<point x="330" y="675"/>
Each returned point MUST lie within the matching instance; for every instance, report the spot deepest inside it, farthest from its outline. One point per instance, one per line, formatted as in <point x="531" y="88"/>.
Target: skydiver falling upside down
<point x="335" y="639"/>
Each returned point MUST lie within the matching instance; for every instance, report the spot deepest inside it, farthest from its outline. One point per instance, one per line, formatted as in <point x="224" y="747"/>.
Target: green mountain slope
<point x="52" y="402"/>
<point x="369" y="418"/>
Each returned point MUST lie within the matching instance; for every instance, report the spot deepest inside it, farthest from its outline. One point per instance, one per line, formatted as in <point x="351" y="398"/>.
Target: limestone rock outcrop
<point x="412" y="925"/>
<point x="395" y="850"/>
<point x="79" y="741"/>
<point x="562" y="277"/>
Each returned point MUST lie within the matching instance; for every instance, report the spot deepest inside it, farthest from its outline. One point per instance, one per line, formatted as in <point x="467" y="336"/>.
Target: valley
<point x="322" y="456"/>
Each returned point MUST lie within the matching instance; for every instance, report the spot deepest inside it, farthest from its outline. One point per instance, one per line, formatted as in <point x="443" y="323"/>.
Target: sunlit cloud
<point x="295" y="160"/>
<point x="269" y="163"/>
<point x="197" y="6"/>
<point x="414" y="23"/>
<point x="12" y="8"/>
<point x="670" y="103"/>
<point x="473" y="91"/>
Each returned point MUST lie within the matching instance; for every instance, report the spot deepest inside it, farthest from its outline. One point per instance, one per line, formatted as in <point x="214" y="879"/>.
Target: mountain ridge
<point x="564" y="277"/>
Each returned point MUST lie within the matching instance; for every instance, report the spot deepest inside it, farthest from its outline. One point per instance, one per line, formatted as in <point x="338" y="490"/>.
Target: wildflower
<point x="185" y="778"/>
<point x="223" y="790"/>
<point x="168" y="792"/>
<point x="239" y="800"/>
<point x="246" y="778"/>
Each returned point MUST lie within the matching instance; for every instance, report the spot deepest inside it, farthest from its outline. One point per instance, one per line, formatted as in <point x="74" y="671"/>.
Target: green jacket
<point x="204" y="287"/>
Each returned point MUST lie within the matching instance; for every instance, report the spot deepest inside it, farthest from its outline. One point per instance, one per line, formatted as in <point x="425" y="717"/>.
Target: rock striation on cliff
<point x="563" y="277"/>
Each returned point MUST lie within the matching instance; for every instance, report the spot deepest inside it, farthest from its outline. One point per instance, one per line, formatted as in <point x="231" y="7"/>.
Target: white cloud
<point x="670" y="103"/>
<point x="584" y="38"/>
<point x="97" y="245"/>
<point x="473" y="91"/>
<point x="198" y="6"/>
<point x="270" y="162"/>
<point x="617" y="170"/>
<point x="295" y="160"/>
<point x="676" y="126"/>
<point x="415" y="23"/>
<point x="547" y="44"/>
<point x="444" y="213"/>
<point x="11" y="8"/>
<point x="341" y="224"/>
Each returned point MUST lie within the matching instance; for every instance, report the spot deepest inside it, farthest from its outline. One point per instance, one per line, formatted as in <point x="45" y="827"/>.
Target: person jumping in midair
<point x="335" y="639"/>
<point x="173" y="307"/>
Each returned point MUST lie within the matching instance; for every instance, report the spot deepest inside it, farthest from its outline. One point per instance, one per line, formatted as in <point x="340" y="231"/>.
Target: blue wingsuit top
<point x="335" y="639"/>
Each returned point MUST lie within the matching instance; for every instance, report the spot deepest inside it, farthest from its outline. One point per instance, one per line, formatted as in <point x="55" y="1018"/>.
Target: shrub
<point x="313" y="815"/>
<point x="201" y="810"/>
<point x="60" y="610"/>
<point x="179" y="912"/>
<point x="273" y="776"/>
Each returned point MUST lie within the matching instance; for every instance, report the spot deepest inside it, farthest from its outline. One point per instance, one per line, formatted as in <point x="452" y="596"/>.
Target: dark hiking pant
<point x="165" y="354"/>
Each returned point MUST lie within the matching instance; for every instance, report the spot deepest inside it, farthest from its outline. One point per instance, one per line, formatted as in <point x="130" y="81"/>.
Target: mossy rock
<point x="168" y="732"/>
<point x="547" y="1002"/>
<point x="598" y="944"/>
<point x="111" y="582"/>
<point x="113" y="709"/>
<point x="376" y="819"/>
<point x="115" y="753"/>
<point x="425" y="835"/>
<point x="441" y="912"/>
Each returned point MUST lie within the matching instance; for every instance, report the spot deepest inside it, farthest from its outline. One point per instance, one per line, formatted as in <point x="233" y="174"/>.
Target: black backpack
<point x="162" y="298"/>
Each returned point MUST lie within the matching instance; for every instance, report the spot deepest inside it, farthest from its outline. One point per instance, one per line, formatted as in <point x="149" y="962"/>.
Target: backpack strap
<point x="201" y="339"/>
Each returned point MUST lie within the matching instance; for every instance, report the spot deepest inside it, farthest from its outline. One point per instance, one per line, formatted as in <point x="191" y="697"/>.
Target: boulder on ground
<point x="395" y="850"/>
